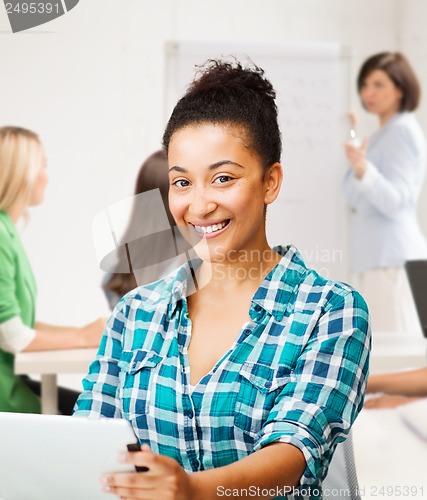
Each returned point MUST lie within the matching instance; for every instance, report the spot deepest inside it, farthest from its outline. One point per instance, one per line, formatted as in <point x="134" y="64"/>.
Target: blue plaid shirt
<point x="295" y="374"/>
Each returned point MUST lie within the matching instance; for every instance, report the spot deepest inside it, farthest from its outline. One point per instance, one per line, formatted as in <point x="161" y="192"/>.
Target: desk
<point x="388" y="454"/>
<point x="394" y="352"/>
<point x="390" y="352"/>
<point x="49" y="364"/>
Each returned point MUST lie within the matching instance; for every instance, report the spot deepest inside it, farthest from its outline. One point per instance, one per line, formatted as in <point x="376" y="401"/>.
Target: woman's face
<point x="217" y="189"/>
<point x="39" y="187"/>
<point x="380" y="95"/>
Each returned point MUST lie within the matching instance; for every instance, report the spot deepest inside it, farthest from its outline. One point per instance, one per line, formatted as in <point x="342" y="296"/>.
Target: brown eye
<point x="181" y="183"/>
<point x="223" y="179"/>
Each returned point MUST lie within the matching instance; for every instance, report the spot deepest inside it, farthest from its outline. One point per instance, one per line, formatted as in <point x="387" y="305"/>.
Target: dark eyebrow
<point x="211" y="167"/>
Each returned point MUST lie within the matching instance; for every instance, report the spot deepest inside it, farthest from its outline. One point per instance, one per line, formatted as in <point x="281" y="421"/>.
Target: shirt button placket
<point x="190" y="432"/>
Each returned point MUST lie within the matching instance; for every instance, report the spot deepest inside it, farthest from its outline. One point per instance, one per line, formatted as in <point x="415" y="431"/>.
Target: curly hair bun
<point x="225" y="92"/>
<point x="219" y="74"/>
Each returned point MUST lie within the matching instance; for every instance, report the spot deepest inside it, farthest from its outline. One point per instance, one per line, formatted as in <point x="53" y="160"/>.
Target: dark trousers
<point x="66" y="397"/>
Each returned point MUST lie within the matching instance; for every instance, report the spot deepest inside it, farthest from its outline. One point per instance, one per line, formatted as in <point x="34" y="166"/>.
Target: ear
<point x="272" y="182"/>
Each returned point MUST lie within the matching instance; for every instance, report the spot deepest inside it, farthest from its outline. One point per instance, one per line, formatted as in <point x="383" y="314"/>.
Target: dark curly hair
<point x="228" y="93"/>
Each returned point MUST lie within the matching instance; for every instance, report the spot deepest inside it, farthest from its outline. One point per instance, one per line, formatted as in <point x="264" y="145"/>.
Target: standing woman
<point x="382" y="186"/>
<point x="251" y="381"/>
<point x="23" y="181"/>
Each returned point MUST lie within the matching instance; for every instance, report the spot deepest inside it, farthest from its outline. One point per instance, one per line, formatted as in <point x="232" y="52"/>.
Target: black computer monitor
<point x="416" y="271"/>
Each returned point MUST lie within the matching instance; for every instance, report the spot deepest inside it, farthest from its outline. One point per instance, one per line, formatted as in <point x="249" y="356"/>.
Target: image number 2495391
<point x="24" y="14"/>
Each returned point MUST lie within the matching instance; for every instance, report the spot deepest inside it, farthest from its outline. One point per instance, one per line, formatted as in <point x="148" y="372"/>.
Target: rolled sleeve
<point x="15" y="336"/>
<point x="316" y="409"/>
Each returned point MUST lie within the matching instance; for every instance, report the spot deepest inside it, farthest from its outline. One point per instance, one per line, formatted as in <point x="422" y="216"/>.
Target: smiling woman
<point x="267" y="362"/>
<point x="219" y="189"/>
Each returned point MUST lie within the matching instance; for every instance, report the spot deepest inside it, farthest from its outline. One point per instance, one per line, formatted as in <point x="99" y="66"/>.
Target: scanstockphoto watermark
<point x="309" y="493"/>
<point x="134" y="235"/>
<point x="24" y="15"/>
<point x="258" y="492"/>
<point x="254" y="264"/>
<point x="385" y="491"/>
<point x="316" y="254"/>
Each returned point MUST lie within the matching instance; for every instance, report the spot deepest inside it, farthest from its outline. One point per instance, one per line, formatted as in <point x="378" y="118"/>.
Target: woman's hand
<point x="165" y="479"/>
<point x="91" y="334"/>
<point x="357" y="157"/>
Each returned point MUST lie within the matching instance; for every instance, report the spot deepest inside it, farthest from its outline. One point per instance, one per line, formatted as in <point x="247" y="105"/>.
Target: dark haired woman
<point x="153" y="174"/>
<point x="382" y="186"/>
<point x="249" y="383"/>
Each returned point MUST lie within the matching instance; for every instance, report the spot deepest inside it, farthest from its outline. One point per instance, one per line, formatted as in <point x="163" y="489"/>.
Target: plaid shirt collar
<point x="272" y="296"/>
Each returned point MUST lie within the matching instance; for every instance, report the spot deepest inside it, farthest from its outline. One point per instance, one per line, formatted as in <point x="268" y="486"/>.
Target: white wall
<point x="92" y="82"/>
<point x="412" y="40"/>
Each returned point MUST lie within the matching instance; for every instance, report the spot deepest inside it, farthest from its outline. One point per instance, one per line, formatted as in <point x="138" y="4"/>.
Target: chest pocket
<point x="137" y="372"/>
<point x="259" y="386"/>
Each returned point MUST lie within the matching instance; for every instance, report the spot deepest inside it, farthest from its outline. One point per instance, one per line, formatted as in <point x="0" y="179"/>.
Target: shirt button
<point x="267" y="385"/>
<point x="257" y="307"/>
<point x="189" y="414"/>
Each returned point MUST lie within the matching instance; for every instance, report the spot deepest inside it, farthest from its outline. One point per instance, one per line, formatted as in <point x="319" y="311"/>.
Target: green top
<point x="18" y="293"/>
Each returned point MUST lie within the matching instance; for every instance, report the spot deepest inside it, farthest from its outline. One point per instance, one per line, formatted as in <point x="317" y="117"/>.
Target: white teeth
<point x="210" y="229"/>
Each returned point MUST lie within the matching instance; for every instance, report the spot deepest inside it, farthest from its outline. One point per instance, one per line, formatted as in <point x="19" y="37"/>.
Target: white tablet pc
<point x="414" y="416"/>
<point x="51" y="457"/>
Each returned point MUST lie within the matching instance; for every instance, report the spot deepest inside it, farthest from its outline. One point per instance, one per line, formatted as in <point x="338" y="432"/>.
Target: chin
<point x="209" y="252"/>
<point x="36" y="203"/>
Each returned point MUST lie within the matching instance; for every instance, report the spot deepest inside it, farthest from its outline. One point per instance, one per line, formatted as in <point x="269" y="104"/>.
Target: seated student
<point x="398" y="388"/>
<point x="153" y="174"/>
<point x="253" y="379"/>
<point x="23" y="181"/>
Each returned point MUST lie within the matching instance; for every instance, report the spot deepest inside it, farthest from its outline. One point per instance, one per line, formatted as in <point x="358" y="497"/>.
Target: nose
<point x="368" y="90"/>
<point x="202" y="203"/>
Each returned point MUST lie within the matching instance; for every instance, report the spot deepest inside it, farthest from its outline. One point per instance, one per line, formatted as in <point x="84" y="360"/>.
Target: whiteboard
<point x="312" y="82"/>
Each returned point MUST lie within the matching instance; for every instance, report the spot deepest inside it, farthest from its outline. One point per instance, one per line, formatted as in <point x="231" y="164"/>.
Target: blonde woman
<point x="23" y="180"/>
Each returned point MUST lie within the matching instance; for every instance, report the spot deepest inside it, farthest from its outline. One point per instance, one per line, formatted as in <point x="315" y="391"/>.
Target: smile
<point x="214" y="228"/>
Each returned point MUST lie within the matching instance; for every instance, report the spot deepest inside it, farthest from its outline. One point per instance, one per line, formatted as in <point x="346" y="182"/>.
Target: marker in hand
<point x="353" y="131"/>
<point x="355" y="149"/>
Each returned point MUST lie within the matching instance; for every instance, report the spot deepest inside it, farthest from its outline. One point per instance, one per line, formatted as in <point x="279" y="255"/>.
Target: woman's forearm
<point x="50" y="337"/>
<point x="278" y="465"/>
<point x="410" y="383"/>
<point x="53" y="328"/>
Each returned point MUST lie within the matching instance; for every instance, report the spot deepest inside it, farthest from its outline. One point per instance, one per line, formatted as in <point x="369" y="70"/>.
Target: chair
<point x="341" y="481"/>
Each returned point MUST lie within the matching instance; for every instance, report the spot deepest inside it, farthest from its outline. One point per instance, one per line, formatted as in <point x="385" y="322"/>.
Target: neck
<point x="15" y="212"/>
<point x="241" y="269"/>
<point x="385" y="117"/>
